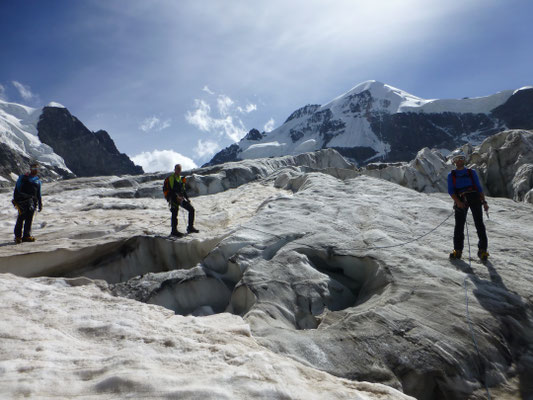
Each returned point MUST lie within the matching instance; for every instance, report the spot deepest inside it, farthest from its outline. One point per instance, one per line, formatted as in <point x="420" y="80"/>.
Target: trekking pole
<point x="183" y="219"/>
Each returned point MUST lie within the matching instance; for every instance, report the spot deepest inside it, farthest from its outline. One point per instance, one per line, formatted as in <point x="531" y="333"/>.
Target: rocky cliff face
<point x="376" y="122"/>
<point x="85" y="153"/>
<point x="406" y="133"/>
<point x="504" y="163"/>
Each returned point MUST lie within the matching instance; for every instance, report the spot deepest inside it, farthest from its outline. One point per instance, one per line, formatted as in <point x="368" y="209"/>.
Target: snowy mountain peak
<point x="376" y="96"/>
<point x="375" y="121"/>
<point x="18" y="130"/>
<point x="15" y="110"/>
<point x="59" y="141"/>
<point x="380" y="90"/>
<point x="56" y="105"/>
<point x="523" y="88"/>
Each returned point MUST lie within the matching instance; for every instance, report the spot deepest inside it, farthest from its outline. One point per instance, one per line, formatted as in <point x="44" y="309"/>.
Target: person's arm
<point x="17" y="187"/>
<point x="481" y="194"/>
<point x="476" y="181"/>
<point x="39" y="197"/>
<point x="458" y="201"/>
<point x="183" y="191"/>
<point x="451" y="192"/>
<point x="483" y="201"/>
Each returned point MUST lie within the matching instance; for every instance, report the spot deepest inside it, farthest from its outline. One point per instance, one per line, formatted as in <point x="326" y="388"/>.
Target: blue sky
<point x="177" y="80"/>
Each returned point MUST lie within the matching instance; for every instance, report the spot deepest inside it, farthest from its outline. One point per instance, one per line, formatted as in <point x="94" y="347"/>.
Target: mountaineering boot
<point x="456" y="254"/>
<point x="28" y="239"/>
<point x="18" y="240"/>
<point x="176" y="234"/>
<point x="192" y="229"/>
<point x="483" y="255"/>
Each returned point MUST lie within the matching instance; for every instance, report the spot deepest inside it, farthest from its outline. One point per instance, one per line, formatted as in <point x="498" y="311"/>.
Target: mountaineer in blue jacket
<point x="26" y="198"/>
<point x="466" y="192"/>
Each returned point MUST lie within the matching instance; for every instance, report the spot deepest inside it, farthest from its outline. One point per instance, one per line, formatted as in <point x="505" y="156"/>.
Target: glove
<point x="40" y="208"/>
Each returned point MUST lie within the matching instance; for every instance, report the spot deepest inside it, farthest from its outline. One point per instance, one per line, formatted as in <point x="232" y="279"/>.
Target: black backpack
<point x="28" y="187"/>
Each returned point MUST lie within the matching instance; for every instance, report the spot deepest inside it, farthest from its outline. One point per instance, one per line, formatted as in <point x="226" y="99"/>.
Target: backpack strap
<point x="166" y="187"/>
<point x="454" y="180"/>
<point x="471" y="175"/>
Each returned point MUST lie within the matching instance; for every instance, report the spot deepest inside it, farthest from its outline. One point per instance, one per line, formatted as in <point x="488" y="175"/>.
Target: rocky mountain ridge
<point x="59" y="141"/>
<point x="86" y="153"/>
<point x="377" y="122"/>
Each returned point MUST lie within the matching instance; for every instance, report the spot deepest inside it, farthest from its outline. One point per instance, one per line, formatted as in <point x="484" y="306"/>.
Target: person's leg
<point x="28" y="219"/>
<point x="18" y="226"/>
<point x="174" y="220"/>
<point x="459" y="231"/>
<point x="188" y="206"/>
<point x="477" y="214"/>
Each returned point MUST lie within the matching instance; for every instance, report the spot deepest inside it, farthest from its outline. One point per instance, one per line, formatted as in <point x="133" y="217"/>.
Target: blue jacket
<point x="28" y="186"/>
<point x="463" y="181"/>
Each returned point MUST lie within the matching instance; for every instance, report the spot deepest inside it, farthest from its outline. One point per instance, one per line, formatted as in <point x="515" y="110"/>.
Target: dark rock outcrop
<point x="517" y="111"/>
<point x="85" y="153"/>
<point x="306" y="110"/>
<point x="225" y="155"/>
<point x="407" y="133"/>
<point x="254" y="134"/>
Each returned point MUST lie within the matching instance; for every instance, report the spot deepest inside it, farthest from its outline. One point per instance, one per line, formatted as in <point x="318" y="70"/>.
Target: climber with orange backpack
<point x="176" y="196"/>
<point x="466" y="192"/>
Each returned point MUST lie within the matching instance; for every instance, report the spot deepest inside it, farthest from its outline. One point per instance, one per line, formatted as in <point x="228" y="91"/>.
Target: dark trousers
<point x="25" y="218"/>
<point x="473" y="202"/>
<point x="174" y="217"/>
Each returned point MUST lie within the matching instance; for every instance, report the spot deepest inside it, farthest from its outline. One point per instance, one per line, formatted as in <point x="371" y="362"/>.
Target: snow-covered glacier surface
<point x="308" y="279"/>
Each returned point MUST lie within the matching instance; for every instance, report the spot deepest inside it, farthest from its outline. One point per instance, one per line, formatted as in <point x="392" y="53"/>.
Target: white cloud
<point x="269" y="125"/>
<point x="207" y="90"/>
<point x="24" y="91"/>
<point x="232" y="127"/>
<point x="248" y="109"/>
<point x="224" y="104"/>
<point x="162" y="160"/>
<point x="206" y="148"/>
<point x="234" y="130"/>
<point x="2" y="92"/>
<point x="200" y="117"/>
<point x="154" y="124"/>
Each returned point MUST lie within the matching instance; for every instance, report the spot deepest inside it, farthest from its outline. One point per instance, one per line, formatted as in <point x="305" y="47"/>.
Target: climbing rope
<point x="467" y="311"/>
<point x="403" y="243"/>
<point x="362" y="248"/>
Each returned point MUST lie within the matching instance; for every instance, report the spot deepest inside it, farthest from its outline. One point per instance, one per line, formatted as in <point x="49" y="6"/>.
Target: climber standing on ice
<point x="176" y="196"/>
<point x="26" y="198"/>
<point x="466" y="192"/>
